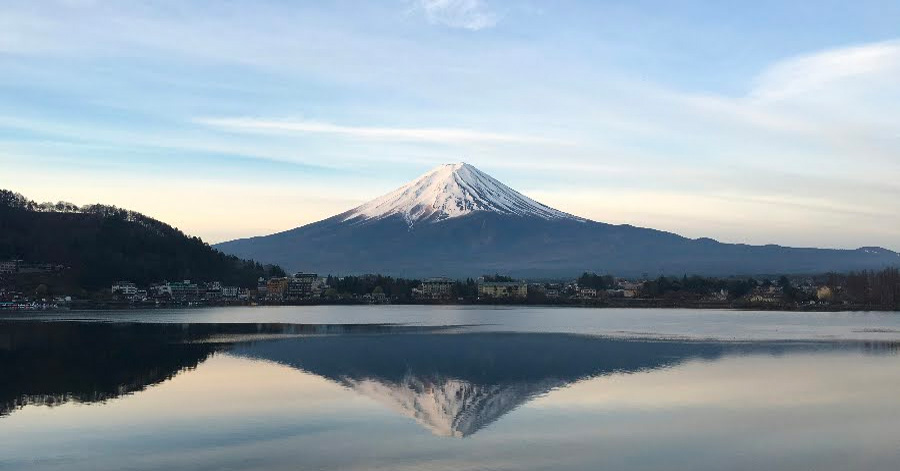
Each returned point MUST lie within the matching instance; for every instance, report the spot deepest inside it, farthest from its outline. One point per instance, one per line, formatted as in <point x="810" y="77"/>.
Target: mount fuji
<point x="459" y="221"/>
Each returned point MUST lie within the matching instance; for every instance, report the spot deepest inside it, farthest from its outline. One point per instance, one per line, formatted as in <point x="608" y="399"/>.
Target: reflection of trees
<point x="50" y="363"/>
<point x="53" y="363"/>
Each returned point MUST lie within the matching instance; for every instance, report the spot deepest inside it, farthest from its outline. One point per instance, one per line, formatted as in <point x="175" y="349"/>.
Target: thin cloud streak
<point x="435" y="135"/>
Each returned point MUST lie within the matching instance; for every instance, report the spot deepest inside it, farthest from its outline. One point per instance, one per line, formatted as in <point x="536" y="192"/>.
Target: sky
<point x="761" y="122"/>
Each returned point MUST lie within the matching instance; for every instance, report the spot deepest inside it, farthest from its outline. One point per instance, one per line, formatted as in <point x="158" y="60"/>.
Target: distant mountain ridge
<point x="102" y="244"/>
<point x="459" y="221"/>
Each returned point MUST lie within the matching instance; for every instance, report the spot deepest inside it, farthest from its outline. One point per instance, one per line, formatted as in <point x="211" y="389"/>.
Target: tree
<point x="790" y="293"/>
<point x="594" y="281"/>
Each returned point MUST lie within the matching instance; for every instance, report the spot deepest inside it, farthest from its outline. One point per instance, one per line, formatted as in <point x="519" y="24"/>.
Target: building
<point x="124" y="288"/>
<point x="375" y="298"/>
<point x="502" y="289"/>
<point x="9" y="266"/>
<point x="302" y="285"/>
<point x="771" y="294"/>
<point x="213" y="291"/>
<point x="621" y="293"/>
<point x="276" y="288"/>
<point x="630" y="285"/>
<point x="230" y="291"/>
<point x="262" y="287"/>
<point x="180" y="289"/>
<point x="436" y="288"/>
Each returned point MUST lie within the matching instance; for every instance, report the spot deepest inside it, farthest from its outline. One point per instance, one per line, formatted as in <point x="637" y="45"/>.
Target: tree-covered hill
<point x="102" y="244"/>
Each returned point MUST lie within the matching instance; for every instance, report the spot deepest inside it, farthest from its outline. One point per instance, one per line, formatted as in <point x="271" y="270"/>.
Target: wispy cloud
<point x="438" y="135"/>
<point x="814" y="72"/>
<point x="468" y="14"/>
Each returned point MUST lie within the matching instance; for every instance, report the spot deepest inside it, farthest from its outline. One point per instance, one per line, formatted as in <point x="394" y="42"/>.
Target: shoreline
<point x="743" y="307"/>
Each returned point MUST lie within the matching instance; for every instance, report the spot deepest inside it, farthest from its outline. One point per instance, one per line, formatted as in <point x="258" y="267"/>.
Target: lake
<point x="462" y="388"/>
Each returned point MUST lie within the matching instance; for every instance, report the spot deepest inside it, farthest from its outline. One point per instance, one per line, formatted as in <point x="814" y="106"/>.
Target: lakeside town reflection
<point x="452" y="382"/>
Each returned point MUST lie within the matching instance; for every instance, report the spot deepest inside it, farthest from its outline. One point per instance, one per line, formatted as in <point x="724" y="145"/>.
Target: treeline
<point x="699" y="286"/>
<point x="100" y="244"/>
<point x="595" y="281"/>
<point x="866" y="289"/>
<point x="399" y="289"/>
<point x="880" y="289"/>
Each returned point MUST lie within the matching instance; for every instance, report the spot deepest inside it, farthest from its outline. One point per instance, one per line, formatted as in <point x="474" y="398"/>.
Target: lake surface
<point x="434" y="388"/>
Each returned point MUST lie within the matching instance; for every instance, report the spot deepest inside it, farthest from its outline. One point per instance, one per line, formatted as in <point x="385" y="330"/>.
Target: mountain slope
<point x="458" y="221"/>
<point x="449" y="191"/>
<point x="102" y="244"/>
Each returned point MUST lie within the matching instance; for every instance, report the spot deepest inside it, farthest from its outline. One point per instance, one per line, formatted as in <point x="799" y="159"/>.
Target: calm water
<point x="398" y="388"/>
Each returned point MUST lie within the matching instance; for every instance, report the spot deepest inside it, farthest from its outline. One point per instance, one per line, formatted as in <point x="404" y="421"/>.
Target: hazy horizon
<point x="757" y="123"/>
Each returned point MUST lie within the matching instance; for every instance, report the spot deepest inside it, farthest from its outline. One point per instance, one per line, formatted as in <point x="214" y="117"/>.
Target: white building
<point x="125" y="288"/>
<point x="436" y="288"/>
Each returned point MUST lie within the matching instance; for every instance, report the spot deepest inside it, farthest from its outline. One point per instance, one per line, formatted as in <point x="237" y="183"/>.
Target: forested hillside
<point x="100" y="244"/>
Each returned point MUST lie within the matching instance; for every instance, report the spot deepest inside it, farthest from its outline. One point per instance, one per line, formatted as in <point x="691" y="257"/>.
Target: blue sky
<point x="760" y="122"/>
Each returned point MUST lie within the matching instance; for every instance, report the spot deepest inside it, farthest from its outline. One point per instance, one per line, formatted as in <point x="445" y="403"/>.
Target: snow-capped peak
<point x="450" y="191"/>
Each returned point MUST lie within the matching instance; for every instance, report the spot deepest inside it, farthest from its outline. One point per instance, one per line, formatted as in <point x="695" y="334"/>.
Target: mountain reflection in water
<point x="452" y="382"/>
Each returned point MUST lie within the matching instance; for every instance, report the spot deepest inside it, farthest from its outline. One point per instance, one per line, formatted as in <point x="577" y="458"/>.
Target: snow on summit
<point x="449" y="191"/>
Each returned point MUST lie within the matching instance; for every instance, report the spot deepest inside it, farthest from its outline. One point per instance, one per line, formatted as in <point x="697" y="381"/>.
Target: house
<point x="502" y="289"/>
